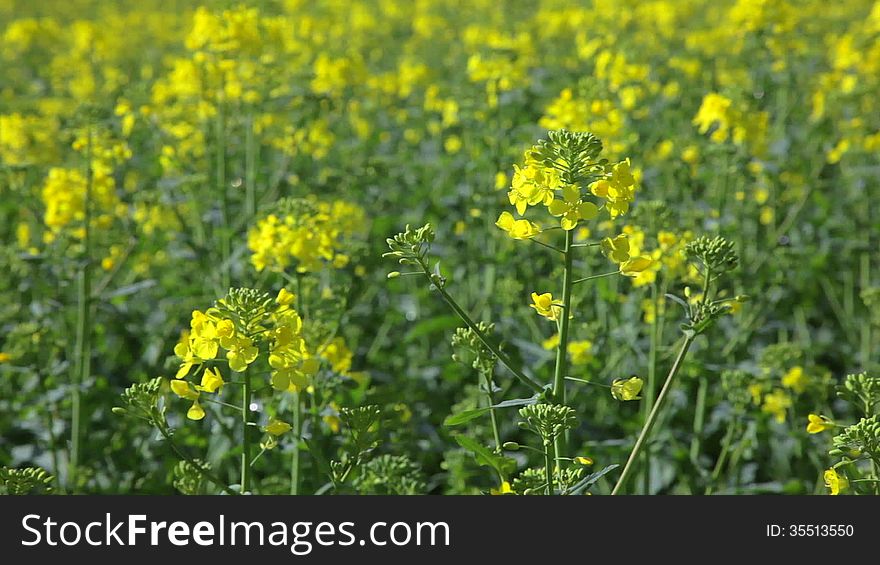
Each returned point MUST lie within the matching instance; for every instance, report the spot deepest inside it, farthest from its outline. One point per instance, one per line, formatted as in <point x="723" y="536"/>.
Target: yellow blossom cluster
<point x="308" y="236"/>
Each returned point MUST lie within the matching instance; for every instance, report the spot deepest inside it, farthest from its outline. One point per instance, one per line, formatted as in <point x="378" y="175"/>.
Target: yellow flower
<point x="183" y="389"/>
<point x="551" y="342"/>
<point x="5" y="357"/>
<point x="616" y="249"/>
<point x="504" y="488"/>
<point x="618" y="189"/>
<point x="776" y="404"/>
<point x="572" y="208"/>
<point x="635" y="265"/>
<point x="584" y="460"/>
<point x="757" y="391"/>
<point x="837" y="483"/>
<point x="546" y="306"/>
<point x="195" y="412"/>
<point x="277" y="427"/>
<point x="500" y="180"/>
<point x="517" y="229"/>
<point x="580" y="351"/>
<point x="241" y="353"/>
<point x="796" y="380"/>
<point x="818" y="423"/>
<point x="211" y="381"/>
<point x="532" y="185"/>
<point x="225" y="328"/>
<point x="626" y="389"/>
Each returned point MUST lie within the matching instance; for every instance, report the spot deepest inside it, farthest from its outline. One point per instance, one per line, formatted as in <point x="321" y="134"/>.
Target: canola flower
<point x="627" y="389"/>
<point x="835" y="482"/>
<point x="546" y="179"/>
<point x="306" y="235"/>
<point x="546" y="306"/>
<point x="243" y="327"/>
<point x="252" y="84"/>
<point x="818" y="423"/>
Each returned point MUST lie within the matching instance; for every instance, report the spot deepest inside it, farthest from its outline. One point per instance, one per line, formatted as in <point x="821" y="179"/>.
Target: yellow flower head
<point x="183" y="389"/>
<point x="571" y="208"/>
<point x="503" y="488"/>
<point x="277" y="427"/>
<point x="816" y="423"/>
<point x="586" y="461"/>
<point x="546" y="306"/>
<point x="517" y="229"/>
<point x="777" y="404"/>
<point x="796" y="379"/>
<point x="195" y="412"/>
<point x="580" y="351"/>
<point x="635" y="265"/>
<point x="211" y="381"/>
<point x="836" y="482"/>
<point x="617" y="248"/>
<point x="626" y="389"/>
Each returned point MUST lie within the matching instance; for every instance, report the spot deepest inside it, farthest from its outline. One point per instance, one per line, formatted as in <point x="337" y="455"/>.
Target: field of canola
<point x="440" y="247"/>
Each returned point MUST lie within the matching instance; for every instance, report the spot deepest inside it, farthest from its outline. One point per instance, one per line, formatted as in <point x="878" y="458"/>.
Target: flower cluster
<point x="245" y="325"/>
<point x="306" y="234"/>
<point x="553" y="175"/>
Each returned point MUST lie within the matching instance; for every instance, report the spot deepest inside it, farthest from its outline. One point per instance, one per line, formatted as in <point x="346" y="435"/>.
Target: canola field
<point x="440" y="247"/>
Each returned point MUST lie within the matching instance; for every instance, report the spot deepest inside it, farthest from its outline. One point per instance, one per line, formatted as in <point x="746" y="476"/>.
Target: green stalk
<point x="655" y="411"/>
<point x="250" y="169"/>
<point x="83" y="363"/>
<point x="722" y="457"/>
<point x="487" y="377"/>
<point x="202" y="471"/>
<point x="548" y="466"/>
<point x="246" y="435"/>
<point x="864" y="284"/>
<point x="220" y="173"/>
<point x="562" y="349"/>
<point x="699" y="420"/>
<point x="297" y="409"/>
<point x="505" y="360"/>
<point x="650" y="385"/>
<point x="297" y="433"/>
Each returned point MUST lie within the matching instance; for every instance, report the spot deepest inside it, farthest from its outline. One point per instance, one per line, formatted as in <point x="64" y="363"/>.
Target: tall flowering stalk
<point x="562" y="177"/>
<point x="241" y="329"/>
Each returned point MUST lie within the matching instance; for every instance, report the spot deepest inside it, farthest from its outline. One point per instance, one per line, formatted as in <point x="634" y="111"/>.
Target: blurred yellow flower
<point x="818" y="423"/>
<point x="545" y="306"/>
<point x="626" y="389"/>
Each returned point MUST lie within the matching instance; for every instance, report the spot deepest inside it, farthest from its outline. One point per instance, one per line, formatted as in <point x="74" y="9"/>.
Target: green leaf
<point x="590" y="480"/>
<point x="467" y="415"/>
<point x="485" y="457"/>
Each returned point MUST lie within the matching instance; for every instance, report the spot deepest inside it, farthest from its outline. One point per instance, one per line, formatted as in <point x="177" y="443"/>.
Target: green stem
<point x="592" y="277"/>
<point x="722" y="457"/>
<point x="246" y="434"/>
<point x="220" y="173"/>
<point x="699" y="420"/>
<point x="297" y="433"/>
<point x="864" y="284"/>
<point x="562" y="349"/>
<point x="83" y="326"/>
<point x="651" y="385"/>
<point x="297" y="407"/>
<point x="202" y="471"/>
<point x="505" y="360"/>
<point x="655" y="411"/>
<point x="487" y="378"/>
<point x="250" y="169"/>
<point x="548" y="466"/>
